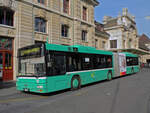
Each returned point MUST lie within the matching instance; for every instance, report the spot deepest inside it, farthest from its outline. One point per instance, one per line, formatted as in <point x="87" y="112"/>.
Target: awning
<point x="136" y="51"/>
<point x="132" y="50"/>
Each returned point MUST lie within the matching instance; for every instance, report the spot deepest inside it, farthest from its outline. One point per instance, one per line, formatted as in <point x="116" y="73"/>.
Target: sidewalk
<point x="7" y="88"/>
<point x="7" y="84"/>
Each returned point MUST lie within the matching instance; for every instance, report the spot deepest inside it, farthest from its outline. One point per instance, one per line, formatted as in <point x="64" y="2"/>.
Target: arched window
<point x="6" y="16"/>
<point x="40" y="24"/>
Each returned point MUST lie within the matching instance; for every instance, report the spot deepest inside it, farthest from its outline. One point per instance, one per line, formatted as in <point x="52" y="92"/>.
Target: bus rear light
<point x="40" y="90"/>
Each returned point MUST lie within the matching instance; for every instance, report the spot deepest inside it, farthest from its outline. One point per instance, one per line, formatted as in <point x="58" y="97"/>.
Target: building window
<point x="84" y="13"/>
<point x="84" y="35"/>
<point x="41" y="1"/>
<point x="40" y="25"/>
<point x="66" y="6"/>
<point x="64" y="30"/>
<point x="103" y="44"/>
<point x="5" y="43"/>
<point x="129" y="44"/>
<point x="113" y="43"/>
<point x="124" y="43"/>
<point x="6" y="16"/>
<point x="96" y="43"/>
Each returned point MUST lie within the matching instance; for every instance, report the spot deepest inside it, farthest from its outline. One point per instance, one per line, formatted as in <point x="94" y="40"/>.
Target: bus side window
<point x="96" y="62"/>
<point x="86" y="62"/>
<point x="59" y="64"/>
<point x="70" y="64"/>
<point x="109" y="61"/>
<point x="73" y="63"/>
<point x="102" y="62"/>
<point x="56" y="64"/>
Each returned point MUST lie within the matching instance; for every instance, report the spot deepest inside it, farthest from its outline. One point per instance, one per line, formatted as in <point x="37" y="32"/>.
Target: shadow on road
<point x="7" y="84"/>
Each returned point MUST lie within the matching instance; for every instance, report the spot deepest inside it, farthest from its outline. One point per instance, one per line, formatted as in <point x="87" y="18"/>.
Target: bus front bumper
<point x="31" y="87"/>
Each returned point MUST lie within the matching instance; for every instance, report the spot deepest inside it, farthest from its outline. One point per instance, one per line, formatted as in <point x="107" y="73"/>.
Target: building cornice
<point x="93" y="2"/>
<point x="56" y="12"/>
<point x="115" y="27"/>
<point x="102" y="34"/>
<point x="132" y="50"/>
<point x="129" y="19"/>
<point x="9" y="4"/>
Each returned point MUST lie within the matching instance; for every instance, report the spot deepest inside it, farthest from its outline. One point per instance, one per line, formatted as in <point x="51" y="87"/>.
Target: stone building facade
<point x="25" y="22"/>
<point x="144" y="44"/>
<point x="123" y="34"/>
<point x="122" y="30"/>
<point x="101" y="37"/>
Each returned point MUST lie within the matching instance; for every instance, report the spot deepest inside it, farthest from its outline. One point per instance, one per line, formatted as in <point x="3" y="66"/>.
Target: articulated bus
<point x="46" y="68"/>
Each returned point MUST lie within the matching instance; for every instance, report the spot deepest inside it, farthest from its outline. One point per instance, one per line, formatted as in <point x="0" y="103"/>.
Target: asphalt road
<point x="129" y="94"/>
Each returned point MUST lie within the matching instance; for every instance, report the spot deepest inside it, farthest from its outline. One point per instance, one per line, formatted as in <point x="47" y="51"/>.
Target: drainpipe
<point x="33" y="23"/>
<point x="73" y="21"/>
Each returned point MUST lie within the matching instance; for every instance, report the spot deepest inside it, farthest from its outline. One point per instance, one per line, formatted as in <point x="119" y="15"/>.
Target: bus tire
<point x="109" y="76"/>
<point x="75" y="83"/>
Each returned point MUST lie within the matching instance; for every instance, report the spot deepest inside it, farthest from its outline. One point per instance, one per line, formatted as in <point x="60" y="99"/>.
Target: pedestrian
<point x="142" y="65"/>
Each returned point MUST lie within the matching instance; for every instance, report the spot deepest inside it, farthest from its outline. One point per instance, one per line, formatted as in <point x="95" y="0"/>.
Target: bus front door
<point x="6" y="68"/>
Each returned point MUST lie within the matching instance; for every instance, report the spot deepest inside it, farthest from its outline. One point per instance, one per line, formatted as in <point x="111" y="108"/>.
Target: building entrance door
<point x="1" y="65"/>
<point x="6" y="66"/>
<point x="6" y="58"/>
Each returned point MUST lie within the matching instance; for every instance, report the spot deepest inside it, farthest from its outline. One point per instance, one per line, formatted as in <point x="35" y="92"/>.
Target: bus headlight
<point x="39" y="86"/>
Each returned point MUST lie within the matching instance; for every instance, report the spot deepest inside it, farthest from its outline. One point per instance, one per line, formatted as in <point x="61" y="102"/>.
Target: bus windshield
<point x="32" y="61"/>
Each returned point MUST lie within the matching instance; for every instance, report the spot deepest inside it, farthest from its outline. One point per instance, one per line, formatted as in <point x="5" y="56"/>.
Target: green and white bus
<point x="45" y="68"/>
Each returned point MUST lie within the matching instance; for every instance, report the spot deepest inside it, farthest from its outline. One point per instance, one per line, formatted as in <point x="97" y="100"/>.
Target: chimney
<point x="125" y="12"/>
<point x="119" y="21"/>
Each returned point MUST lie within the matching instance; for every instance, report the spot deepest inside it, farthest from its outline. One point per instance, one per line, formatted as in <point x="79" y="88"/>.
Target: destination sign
<point x="30" y="51"/>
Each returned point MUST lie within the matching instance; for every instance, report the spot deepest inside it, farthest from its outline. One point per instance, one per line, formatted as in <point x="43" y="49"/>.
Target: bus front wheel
<point x="75" y="83"/>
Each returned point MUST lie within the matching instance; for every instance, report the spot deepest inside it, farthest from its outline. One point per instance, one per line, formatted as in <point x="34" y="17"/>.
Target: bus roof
<point x="76" y="48"/>
<point x="130" y="54"/>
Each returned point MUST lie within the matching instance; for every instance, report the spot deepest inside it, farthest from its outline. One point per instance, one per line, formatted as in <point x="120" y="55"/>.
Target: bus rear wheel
<point x="75" y="83"/>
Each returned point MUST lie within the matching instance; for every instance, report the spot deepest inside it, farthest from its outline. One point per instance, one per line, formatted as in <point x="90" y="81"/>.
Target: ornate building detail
<point x="42" y="13"/>
<point x="10" y="32"/>
<point x="8" y="3"/>
<point x="122" y="29"/>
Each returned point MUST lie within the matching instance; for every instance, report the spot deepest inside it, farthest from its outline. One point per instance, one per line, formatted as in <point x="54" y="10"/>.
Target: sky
<point x="138" y="8"/>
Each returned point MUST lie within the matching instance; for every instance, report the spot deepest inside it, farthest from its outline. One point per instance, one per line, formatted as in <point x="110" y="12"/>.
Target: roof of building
<point x="143" y="40"/>
<point x="99" y="30"/>
<point x="94" y="2"/>
<point x="111" y="23"/>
